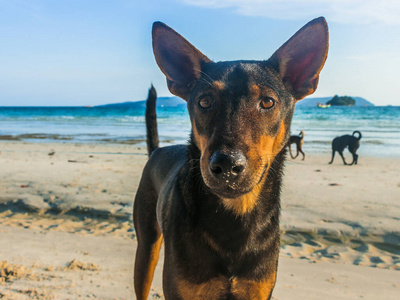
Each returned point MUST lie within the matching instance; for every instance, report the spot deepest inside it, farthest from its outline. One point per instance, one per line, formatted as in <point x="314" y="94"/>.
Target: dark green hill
<point x="312" y="102"/>
<point x="341" y="101"/>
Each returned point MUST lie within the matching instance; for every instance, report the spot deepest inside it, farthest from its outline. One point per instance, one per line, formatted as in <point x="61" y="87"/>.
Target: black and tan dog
<point x="341" y="142"/>
<point x="299" y="141"/>
<point x="216" y="201"/>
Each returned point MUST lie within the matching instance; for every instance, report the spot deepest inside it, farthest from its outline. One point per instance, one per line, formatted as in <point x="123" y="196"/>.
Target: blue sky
<point x="75" y="52"/>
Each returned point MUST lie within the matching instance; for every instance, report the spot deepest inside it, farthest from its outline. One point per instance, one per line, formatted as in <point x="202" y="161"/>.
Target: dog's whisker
<point x="205" y="74"/>
<point x="206" y="81"/>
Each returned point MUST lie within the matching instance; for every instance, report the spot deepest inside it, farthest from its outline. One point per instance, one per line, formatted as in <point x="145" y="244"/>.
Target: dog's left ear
<point x="178" y="59"/>
<point x="300" y="60"/>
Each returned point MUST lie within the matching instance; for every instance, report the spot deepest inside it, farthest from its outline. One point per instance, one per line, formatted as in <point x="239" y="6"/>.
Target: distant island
<point x="312" y="102"/>
<point x="161" y="102"/>
<point x="341" y="101"/>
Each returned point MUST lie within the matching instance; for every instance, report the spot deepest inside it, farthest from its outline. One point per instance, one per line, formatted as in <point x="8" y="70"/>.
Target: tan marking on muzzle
<point x="201" y="141"/>
<point x="260" y="155"/>
<point x="268" y="146"/>
<point x="279" y="141"/>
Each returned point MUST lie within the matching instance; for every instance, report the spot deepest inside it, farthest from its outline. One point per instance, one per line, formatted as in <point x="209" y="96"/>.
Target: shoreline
<point x="335" y="219"/>
<point x="139" y="144"/>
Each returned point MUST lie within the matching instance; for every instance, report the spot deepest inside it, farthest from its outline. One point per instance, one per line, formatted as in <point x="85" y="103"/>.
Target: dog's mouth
<point x="229" y="191"/>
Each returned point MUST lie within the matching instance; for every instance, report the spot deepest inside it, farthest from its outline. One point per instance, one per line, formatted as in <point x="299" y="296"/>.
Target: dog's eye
<point x="205" y="102"/>
<point x="267" y="103"/>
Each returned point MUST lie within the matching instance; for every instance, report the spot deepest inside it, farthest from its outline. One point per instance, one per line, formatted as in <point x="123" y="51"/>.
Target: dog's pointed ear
<point x="179" y="60"/>
<point x="300" y="60"/>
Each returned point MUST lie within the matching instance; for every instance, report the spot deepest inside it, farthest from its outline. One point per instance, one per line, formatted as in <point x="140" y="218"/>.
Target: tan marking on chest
<point x="246" y="289"/>
<point x="212" y="289"/>
<point x="220" y="287"/>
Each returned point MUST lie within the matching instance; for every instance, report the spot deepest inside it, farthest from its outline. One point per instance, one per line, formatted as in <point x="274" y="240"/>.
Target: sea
<point x="379" y="125"/>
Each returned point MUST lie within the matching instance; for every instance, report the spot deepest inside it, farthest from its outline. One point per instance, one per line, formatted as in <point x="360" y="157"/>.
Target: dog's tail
<point x="151" y="121"/>
<point x="301" y="134"/>
<point x="359" y="135"/>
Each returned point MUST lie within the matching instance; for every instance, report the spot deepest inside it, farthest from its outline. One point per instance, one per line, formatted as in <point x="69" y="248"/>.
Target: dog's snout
<point x="228" y="165"/>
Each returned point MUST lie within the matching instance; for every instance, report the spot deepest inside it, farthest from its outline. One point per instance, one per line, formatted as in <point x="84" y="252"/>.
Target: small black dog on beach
<point x="299" y="141"/>
<point x="216" y="201"/>
<point x="351" y="141"/>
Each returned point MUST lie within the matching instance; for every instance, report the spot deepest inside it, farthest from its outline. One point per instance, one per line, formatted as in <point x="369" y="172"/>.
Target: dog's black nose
<point x="227" y="165"/>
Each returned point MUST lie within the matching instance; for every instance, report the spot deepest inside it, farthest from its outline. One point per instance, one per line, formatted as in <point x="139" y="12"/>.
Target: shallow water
<point x="380" y="126"/>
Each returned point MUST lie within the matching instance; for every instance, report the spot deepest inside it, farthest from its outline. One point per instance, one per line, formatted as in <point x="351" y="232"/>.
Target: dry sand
<point x="66" y="225"/>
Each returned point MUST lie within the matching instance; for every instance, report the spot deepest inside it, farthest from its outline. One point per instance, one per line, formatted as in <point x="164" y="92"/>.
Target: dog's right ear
<point x="179" y="60"/>
<point x="300" y="60"/>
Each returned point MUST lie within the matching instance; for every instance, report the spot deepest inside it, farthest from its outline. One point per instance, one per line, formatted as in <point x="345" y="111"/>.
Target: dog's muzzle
<point x="227" y="167"/>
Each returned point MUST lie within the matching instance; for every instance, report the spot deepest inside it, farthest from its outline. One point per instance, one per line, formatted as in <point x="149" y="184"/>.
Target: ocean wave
<point x="321" y="142"/>
<point x="374" y="142"/>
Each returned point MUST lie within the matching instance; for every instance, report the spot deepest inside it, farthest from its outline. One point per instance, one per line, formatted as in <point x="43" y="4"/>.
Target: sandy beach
<point x="67" y="233"/>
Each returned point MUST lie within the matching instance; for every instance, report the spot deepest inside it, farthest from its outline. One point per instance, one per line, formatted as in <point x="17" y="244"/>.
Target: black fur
<point x="151" y="121"/>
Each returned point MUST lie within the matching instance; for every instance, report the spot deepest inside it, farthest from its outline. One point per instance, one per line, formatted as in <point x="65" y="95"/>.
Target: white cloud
<point x="344" y="11"/>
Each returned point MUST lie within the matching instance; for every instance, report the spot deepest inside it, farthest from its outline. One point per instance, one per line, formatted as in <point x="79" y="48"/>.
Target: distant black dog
<point x="341" y="142"/>
<point x="298" y="140"/>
